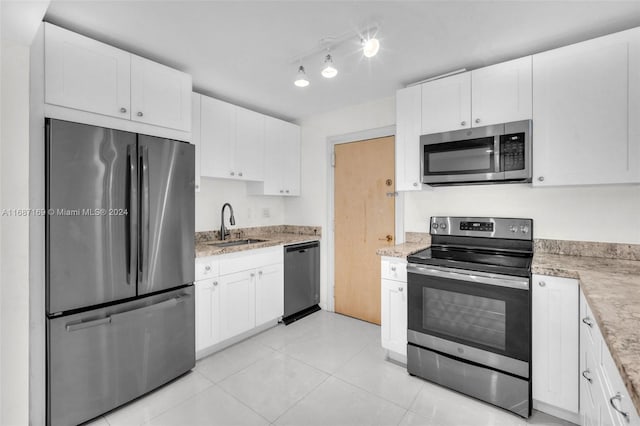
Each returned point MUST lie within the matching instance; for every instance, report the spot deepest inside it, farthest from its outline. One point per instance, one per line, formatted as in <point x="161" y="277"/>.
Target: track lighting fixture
<point x="370" y="47"/>
<point x="329" y="70"/>
<point x="301" y="78"/>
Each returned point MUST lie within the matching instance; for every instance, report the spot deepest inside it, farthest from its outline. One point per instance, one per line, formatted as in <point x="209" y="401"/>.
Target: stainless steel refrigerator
<point x="119" y="267"/>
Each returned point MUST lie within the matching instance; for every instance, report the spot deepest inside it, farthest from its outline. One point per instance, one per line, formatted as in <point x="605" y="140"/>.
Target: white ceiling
<point x="241" y="51"/>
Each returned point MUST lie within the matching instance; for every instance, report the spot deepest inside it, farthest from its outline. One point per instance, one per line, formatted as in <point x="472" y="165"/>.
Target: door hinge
<point x="333" y="159"/>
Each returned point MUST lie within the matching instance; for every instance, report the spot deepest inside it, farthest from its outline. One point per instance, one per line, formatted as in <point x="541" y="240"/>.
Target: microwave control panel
<point x="512" y="152"/>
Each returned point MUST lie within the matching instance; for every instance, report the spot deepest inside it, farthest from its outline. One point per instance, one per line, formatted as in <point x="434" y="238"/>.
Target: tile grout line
<point x="303" y="397"/>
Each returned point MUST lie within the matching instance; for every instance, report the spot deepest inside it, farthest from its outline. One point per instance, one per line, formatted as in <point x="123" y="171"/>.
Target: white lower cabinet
<point x="235" y="294"/>
<point x="555" y="344"/>
<point x="393" y="324"/>
<point x="604" y="400"/>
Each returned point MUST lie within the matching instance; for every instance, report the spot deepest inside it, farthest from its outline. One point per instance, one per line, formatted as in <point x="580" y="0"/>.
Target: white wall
<point x="249" y="210"/>
<point x="593" y="213"/>
<point x="311" y="207"/>
<point x="14" y="244"/>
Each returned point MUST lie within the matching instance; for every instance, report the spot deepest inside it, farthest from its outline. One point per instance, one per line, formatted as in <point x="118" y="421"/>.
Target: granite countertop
<point x="612" y="288"/>
<point x="272" y="236"/>
<point x="415" y="241"/>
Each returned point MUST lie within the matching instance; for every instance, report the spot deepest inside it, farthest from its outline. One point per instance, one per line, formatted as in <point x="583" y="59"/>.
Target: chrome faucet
<point x="224" y="232"/>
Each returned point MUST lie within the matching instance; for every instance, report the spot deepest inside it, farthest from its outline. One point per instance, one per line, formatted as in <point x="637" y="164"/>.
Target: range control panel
<point x="488" y="227"/>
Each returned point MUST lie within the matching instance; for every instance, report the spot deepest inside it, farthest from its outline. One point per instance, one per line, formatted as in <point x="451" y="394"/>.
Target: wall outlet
<point x="266" y="213"/>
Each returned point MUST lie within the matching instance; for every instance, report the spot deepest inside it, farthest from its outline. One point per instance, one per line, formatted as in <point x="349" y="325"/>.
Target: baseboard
<point x="235" y="339"/>
<point x="557" y="412"/>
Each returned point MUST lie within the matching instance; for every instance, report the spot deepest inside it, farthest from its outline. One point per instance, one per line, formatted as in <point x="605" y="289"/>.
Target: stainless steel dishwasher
<point x="301" y="280"/>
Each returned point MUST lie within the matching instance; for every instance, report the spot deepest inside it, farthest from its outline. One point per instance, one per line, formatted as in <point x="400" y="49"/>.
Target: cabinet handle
<point x="588" y="321"/>
<point x="393" y="268"/>
<point x="207" y="268"/>
<point x="123" y="110"/>
<point x="282" y="191"/>
<point x="415" y="183"/>
<point x="140" y="114"/>
<point x="400" y="289"/>
<point x="215" y="283"/>
<point x="541" y="178"/>
<point x="464" y="123"/>
<point x="287" y="191"/>
<point x="477" y="120"/>
<point x="542" y="284"/>
<point x="260" y="273"/>
<point x="619" y="398"/>
<point x="584" y="374"/>
<point x="240" y="174"/>
<point x="232" y="174"/>
<point x="252" y="275"/>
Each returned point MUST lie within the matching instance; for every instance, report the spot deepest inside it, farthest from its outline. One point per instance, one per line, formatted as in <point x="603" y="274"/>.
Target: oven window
<point x="472" y="318"/>
<point x="460" y="161"/>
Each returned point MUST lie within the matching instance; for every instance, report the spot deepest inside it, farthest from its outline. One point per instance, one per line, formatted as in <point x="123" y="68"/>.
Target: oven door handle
<point x="470" y="276"/>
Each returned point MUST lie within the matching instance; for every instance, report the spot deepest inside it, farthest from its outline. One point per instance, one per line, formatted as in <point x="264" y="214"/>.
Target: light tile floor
<point x="326" y="369"/>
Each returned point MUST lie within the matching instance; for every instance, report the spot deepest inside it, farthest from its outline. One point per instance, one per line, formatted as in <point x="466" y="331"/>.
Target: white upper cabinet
<point x="160" y="95"/>
<point x="232" y="141"/>
<point x="446" y="104"/>
<point x="85" y="74"/>
<point x="491" y="95"/>
<point x="586" y="104"/>
<point x="195" y="133"/>
<point x="501" y="93"/>
<point x="281" y="160"/>
<point x="408" y="130"/>
<point x="249" y="148"/>
<point x="89" y="76"/>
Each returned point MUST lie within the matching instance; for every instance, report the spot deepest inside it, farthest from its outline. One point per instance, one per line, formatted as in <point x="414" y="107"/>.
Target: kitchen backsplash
<point x="260" y="230"/>
<point x="588" y="249"/>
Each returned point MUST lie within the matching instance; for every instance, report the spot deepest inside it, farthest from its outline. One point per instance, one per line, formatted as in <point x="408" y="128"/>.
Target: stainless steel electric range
<point x="469" y="313"/>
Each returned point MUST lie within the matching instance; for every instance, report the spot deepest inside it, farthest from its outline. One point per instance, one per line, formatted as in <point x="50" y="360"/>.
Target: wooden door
<point x="364" y="221"/>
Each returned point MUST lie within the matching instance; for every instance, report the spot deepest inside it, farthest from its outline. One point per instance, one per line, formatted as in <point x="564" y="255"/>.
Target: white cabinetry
<point x="86" y="75"/>
<point x="446" y="104"/>
<point x="408" y="130"/>
<point x="603" y="395"/>
<point x="393" y="324"/>
<point x="555" y="337"/>
<point x="586" y="100"/>
<point x="237" y="313"/>
<point x="207" y="303"/>
<point x="269" y="293"/>
<point x="491" y="95"/>
<point x="195" y="134"/>
<point x="281" y="160"/>
<point x="232" y="141"/>
<point x="160" y="95"/>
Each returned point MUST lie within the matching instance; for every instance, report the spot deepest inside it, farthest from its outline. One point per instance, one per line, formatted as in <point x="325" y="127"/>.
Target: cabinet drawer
<point x="250" y="259"/>
<point x="614" y="387"/>
<point x="589" y="331"/>
<point x="393" y="269"/>
<point x="206" y="267"/>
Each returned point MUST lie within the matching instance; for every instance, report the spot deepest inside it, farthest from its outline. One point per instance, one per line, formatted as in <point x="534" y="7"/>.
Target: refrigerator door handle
<point x="132" y="230"/>
<point x="75" y="326"/>
<point x="170" y="303"/>
<point x="143" y="268"/>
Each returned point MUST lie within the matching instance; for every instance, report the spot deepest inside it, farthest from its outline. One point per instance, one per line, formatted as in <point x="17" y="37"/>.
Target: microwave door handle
<point x="496" y="154"/>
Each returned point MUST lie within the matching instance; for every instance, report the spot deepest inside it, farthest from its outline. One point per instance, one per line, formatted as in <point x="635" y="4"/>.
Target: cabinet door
<point x="207" y="313"/>
<point x="273" y="152"/>
<point x="408" y="130"/>
<point x="446" y="104"/>
<point x="160" y="95"/>
<point x="501" y="93"/>
<point x="217" y="138"/>
<point x="237" y="303"/>
<point x="586" y="100"/>
<point x="394" y="316"/>
<point x="195" y="133"/>
<point x="555" y="341"/>
<point x="84" y="74"/>
<point x="269" y="293"/>
<point x="290" y="152"/>
<point x="249" y="150"/>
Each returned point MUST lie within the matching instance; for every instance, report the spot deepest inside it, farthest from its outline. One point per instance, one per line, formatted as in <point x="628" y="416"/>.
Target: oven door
<point x="480" y="317"/>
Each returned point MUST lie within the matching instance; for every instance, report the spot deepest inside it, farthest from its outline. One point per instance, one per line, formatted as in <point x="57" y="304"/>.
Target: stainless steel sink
<point x="235" y="242"/>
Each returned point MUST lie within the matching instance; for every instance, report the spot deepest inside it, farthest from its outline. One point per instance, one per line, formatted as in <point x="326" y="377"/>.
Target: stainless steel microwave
<point x="490" y="154"/>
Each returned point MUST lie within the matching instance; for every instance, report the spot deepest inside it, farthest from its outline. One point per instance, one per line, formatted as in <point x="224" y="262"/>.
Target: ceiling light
<point x="301" y="78"/>
<point x="370" y="47"/>
<point x="329" y="70"/>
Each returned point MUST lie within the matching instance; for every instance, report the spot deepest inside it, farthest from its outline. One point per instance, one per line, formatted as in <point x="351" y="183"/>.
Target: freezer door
<point x="166" y="249"/>
<point x="101" y="359"/>
<point x="92" y="226"/>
